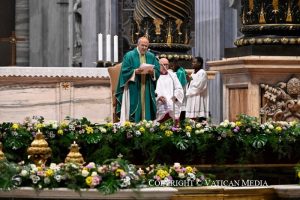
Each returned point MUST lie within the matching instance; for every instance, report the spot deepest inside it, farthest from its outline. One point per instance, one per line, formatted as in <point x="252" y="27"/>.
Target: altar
<point x="55" y="93"/>
<point x="284" y="192"/>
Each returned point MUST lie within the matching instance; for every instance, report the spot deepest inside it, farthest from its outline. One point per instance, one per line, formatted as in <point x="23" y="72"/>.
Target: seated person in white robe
<point x="169" y="93"/>
<point x="197" y="93"/>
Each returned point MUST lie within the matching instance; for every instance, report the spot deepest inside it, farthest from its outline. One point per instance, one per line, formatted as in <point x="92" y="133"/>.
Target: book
<point x="146" y="68"/>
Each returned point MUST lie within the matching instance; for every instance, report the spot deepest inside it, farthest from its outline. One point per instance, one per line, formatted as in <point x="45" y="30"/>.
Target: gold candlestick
<point x="74" y="155"/>
<point x="39" y="151"/>
<point x="2" y="156"/>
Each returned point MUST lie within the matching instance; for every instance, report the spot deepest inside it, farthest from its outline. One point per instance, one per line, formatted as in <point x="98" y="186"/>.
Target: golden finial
<point x="262" y="15"/>
<point x="289" y="14"/>
<point x="178" y="25"/>
<point x="2" y="156"/>
<point x="39" y="151"/>
<point x="251" y="5"/>
<point x="74" y="156"/>
<point x="157" y="22"/>
<point x="275" y="6"/>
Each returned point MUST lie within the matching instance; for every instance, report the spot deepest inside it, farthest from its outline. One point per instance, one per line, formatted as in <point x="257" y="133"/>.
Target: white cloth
<point x="168" y="86"/>
<point x="125" y="105"/>
<point x="197" y="96"/>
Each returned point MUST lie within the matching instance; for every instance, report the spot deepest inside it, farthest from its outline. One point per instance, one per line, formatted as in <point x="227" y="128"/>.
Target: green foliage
<point x="8" y="178"/>
<point x="243" y="141"/>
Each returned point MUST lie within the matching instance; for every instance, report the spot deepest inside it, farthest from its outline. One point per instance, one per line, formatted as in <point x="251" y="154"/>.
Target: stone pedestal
<point x="242" y="76"/>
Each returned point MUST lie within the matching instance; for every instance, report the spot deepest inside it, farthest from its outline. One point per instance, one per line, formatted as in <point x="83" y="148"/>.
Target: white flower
<point x="52" y="123"/>
<point x="58" y="178"/>
<point x="148" y="125"/>
<point x="102" y="130"/>
<point x="271" y="126"/>
<point x="35" y="179"/>
<point x="47" y="180"/>
<point x="198" y="125"/>
<point x="94" y="174"/>
<point x="54" y="166"/>
<point x="125" y="182"/>
<point x="225" y="123"/>
<point x="84" y="173"/>
<point x="188" y="134"/>
<point x="138" y="133"/>
<point x="177" y="165"/>
<point x="206" y="129"/>
<point x="24" y="173"/>
<point x="232" y="124"/>
<point x="191" y="176"/>
<point x="181" y="175"/>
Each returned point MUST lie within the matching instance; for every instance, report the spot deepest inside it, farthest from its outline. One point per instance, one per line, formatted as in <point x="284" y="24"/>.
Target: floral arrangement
<point x="106" y="178"/>
<point x="152" y="142"/>
<point x="245" y="140"/>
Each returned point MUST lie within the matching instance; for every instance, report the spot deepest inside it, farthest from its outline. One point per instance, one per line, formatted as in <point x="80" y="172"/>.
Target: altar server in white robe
<point x="197" y="93"/>
<point x="169" y="93"/>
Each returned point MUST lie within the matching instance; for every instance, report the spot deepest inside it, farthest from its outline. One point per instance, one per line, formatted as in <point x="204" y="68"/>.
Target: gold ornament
<point x="2" y="156"/>
<point x="74" y="156"/>
<point x="39" y="151"/>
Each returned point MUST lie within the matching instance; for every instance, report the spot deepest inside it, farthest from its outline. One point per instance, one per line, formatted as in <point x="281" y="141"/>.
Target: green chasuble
<point x="181" y="74"/>
<point x="131" y="61"/>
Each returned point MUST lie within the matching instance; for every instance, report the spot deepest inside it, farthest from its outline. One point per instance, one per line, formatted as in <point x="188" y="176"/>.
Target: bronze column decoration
<point x="167" y="25"/>
<point x="270" y="22"/>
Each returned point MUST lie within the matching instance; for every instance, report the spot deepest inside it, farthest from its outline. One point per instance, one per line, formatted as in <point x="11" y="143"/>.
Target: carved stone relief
<point x="281" y="102"/>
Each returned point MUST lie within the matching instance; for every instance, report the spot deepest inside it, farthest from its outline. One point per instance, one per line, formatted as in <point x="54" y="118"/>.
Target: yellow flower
<point x="15" y="126"/>
<point x="142" y="129"/>
<point x="49" y="172"/>
<point x="168" y="133"/>
<point x="162" y="127"/>
<point x="189" y="169"/>
<point x="127" y="124"/>
<point x="293" y="123"/>
<point x="63" y="124"/>
<point x="89" y="130"/>
<point x="162" y="173"/>
<point x="278" y="129"/>
<point x="89" y="180"/>
<point x="238" y="123"/>
<point x="188" y="128"/>
<point x="60" y="132"/>
<point x="39" y="126"/>
<point x="298" y="174"/>
<point x="119" y="171"/>
<point x="109" y="124"/>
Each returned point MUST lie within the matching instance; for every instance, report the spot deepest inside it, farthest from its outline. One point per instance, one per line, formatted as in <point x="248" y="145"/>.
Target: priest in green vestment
<point x="135" y="92"/>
